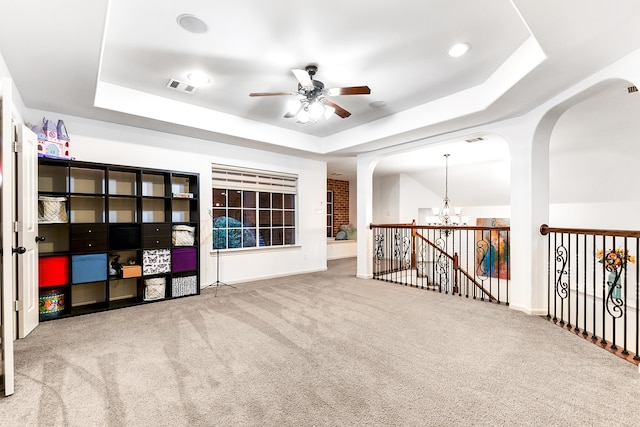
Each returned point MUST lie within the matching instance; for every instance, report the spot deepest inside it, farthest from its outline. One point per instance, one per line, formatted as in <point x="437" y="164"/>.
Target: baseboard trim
<point x="529" y="310"/>
<point x="269" y="276"/>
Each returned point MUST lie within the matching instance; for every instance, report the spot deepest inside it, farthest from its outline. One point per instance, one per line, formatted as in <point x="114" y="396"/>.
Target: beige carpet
<point x="317" y="349"/>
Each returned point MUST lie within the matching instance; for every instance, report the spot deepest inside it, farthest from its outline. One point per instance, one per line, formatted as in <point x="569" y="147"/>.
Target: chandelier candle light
<point x="446" y="215"/>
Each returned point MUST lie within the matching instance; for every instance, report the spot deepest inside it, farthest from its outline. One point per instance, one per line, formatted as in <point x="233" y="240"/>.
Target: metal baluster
<point x="624" y="295"/>
<point x="577" y="297"/>
<point x="637" y="356"/>
<point x="604" y="296"/>
<point x="568" y="281"/>
<point x="595" y="310"/>
<point x="549" y="277"/>
<point x="584" y="294"/>
<point x="508" y="264"/>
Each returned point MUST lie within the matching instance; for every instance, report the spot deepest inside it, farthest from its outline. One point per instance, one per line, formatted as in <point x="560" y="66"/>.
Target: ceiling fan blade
<point x="270" y="93"/>
<point x="352" y="90"/>
<point x="303" y="77"/>
<point x="339" y="110"/>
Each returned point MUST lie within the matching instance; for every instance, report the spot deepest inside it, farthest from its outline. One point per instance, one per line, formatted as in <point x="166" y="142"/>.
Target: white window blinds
<point x="230" y="177"/>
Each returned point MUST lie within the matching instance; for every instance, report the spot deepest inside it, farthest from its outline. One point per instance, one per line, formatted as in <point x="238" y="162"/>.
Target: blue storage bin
<point x="88" y="268"/>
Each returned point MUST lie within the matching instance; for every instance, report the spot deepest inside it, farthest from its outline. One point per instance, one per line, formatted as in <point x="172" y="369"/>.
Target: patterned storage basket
<point x="181" y="286"/>
<point x="156" y="261"/>
<point x="52" y="209"/>
<point x="183" y="235"/>
<point x="51" y="303"/>
<point x="154" y="288"/>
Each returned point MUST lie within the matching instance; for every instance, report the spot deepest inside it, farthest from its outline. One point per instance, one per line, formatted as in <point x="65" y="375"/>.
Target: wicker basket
<point x="52" y="210"/>
<point x="154" y="288"/>
<point x="183" y="235"/>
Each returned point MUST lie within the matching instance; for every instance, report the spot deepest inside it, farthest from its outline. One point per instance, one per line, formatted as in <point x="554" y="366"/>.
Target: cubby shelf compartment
<point x="115" y="211"/>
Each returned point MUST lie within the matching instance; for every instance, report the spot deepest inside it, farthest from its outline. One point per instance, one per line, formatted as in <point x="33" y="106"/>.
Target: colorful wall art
<point x="492" y="249"/>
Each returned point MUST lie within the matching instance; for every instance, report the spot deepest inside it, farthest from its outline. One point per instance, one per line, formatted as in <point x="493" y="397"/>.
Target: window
<point x="329" y="213"/>
<point x="252" y="208"/>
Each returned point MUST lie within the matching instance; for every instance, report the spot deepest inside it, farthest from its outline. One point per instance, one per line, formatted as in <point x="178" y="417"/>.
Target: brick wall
<point x="340" y="203"/>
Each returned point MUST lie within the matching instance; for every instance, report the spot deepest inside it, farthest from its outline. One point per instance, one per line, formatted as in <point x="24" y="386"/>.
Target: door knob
<point x="19" y="250"/>
<point x="40" y="239"/>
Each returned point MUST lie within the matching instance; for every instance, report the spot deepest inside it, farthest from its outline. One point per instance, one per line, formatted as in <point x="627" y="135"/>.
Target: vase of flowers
<point x="614" y="262"/>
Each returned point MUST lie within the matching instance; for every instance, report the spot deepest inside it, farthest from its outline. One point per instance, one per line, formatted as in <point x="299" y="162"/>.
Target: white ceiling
<point x="111" y="61"/>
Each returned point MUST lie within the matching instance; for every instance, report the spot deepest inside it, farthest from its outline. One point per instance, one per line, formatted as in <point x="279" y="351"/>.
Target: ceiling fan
<point x="312" y="99"/>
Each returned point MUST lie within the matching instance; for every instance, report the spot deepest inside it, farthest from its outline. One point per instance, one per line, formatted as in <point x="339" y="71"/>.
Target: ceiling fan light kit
<point x="312" y="99"/>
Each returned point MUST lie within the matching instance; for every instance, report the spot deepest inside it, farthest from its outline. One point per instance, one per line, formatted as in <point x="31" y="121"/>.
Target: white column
<point x="529" y="145"/>
<point x="366" y="165"/>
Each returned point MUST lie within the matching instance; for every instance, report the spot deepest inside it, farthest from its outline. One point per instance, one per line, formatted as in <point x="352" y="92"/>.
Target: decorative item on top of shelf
<point x="52" y="210"/>
<point x="154" y="288"/>
<point x="53" y="140"/>
<point x="183" y="235"/>
<point x="182" y="195"/>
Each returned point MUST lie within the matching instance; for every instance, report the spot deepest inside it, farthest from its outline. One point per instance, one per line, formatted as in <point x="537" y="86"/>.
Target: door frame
<point x="26" y="220"/>
<point x="7" y="235"/>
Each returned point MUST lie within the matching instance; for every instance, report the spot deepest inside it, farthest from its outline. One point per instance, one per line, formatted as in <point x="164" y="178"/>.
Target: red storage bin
<point x="53" y="271"/>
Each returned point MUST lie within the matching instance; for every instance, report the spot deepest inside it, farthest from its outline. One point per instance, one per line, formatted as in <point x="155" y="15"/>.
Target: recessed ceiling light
<point x="198" y="78"/>
<point x="459" y="49"/>
<point x="378" y="104"/>
<point x="192" y="24"/>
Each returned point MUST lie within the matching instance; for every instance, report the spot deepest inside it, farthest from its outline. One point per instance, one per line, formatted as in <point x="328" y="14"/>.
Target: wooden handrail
<point x="545" y="230"/>
<point x="440" y="227"/>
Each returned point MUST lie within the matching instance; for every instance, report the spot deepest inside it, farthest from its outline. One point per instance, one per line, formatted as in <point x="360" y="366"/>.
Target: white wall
<point x="613" y="216"/>
<point x="110" y="143"/>
<point x="413" y="196"/>
<point x="399" y="199"/>
<point x="386" y="199"/>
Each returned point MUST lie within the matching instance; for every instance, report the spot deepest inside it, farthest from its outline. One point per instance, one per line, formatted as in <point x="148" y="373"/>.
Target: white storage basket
<point x="183" y="235"/>
<point x="181" y="286"/>
<point x="154" y="288"/>
<point x="52" y="210"/>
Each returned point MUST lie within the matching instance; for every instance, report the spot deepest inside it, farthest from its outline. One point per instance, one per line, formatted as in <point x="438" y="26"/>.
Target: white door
<point x="27" y="227"/>
<point x="6" y="279"/>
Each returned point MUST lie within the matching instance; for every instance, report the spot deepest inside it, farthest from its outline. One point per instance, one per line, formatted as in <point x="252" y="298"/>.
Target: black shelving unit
<point x="111" y="211"/>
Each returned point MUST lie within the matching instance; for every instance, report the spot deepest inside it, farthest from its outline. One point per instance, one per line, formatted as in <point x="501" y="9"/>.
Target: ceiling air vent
<point x="181" y="86"/>
<point x="479" y="138"/>
<point x="632" y="89"/>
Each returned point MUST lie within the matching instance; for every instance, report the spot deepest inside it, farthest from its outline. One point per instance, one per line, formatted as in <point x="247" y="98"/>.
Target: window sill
<point x="255" y="249"/>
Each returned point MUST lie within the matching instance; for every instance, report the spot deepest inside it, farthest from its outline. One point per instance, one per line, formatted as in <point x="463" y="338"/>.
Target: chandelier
<point x="446" y="215"/>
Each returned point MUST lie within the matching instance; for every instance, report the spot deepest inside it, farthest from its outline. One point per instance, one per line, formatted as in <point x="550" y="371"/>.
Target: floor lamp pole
<point x="218" y="283"/>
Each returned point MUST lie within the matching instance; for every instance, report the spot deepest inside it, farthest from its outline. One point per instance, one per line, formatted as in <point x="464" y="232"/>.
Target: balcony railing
<point x="459" y="260"/>
<point x="593" y="286"/>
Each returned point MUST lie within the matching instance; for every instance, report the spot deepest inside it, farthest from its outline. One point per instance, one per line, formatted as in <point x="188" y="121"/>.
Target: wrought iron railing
<point x="593" y="286"/>
<point x="459" y="260"/>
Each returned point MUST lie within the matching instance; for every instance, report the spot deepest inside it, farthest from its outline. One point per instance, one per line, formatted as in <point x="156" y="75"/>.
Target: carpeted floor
<point x="322" y="349"/>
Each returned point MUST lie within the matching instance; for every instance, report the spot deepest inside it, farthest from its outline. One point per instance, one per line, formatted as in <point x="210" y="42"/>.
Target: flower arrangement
<point x="615" y="259"/>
